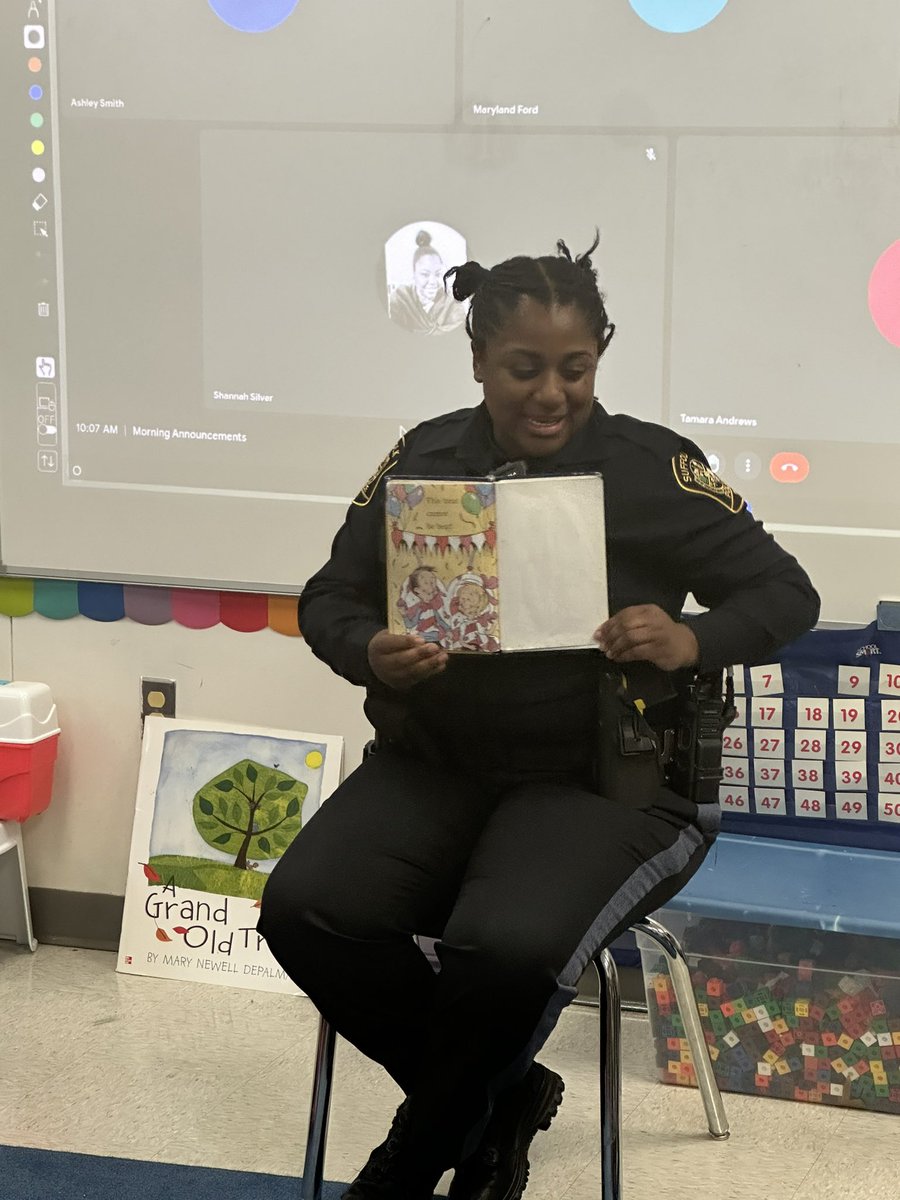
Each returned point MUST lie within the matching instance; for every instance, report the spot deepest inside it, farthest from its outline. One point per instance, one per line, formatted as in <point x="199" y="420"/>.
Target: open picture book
<point x="484" y="565"/>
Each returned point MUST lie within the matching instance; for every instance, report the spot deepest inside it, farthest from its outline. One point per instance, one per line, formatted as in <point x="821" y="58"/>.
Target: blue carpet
<point x="27" y="1174"/>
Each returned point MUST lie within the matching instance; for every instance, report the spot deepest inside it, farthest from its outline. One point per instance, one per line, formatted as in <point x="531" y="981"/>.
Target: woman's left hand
<point x="644" y="633"/>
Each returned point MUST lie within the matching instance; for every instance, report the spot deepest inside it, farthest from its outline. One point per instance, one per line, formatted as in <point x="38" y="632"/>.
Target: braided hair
<point x="556" y="279"/>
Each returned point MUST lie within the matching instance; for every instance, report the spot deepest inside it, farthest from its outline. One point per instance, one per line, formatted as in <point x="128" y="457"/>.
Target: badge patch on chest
<point x="367" y="491"/>
<point x="693" y="475"/>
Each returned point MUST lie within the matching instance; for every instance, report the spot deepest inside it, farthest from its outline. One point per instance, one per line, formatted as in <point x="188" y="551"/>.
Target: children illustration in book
<point x="472" y="611"/>
<point x="423" y="605"/>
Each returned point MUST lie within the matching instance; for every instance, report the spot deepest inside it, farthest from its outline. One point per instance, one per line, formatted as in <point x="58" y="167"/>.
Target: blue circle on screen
<point x="678" y="16"/>
<point x="253" y="16"/>
<point x="35" y="91"/>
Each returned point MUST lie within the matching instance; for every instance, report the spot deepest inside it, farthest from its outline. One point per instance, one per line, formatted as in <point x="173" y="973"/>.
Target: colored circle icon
<point x="37" y="120"/>
<point x="884" y="294"/>
<point x="35" y="91"/>
<point x="38" y="174"/>
<point x="314" y="759"/>
<point x="34" y="64"/>
<point x="253" y="16"/>
<point x="678" y="16"/>
<point x="37" y="147"/>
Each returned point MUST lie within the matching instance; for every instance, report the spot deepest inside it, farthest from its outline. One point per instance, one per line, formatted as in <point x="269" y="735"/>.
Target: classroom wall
<point x="81" y="843"/>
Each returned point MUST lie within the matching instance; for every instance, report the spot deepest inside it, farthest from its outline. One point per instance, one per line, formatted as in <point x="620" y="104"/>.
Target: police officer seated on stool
<point x="484" y="818"/>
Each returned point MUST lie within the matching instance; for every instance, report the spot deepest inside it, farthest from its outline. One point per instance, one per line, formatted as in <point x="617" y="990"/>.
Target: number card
<point x="769" y="802"/>
<point x="734" y="799"/>
<point x="846" y="715"/>
<point x="769" y="772"/>
<point x="808" y="745"/>
<point x="766" y="681"/>
<point x="734" y="741"/>
<point x="853" y="807"/>
<point x="849" y="745"/>
<point x="888" y="777"/>
<point x="813" y="712"/>
<point x="851" y="776"/>
<point x="853" y="681"/>
<point x="739" y="688"/>
<point x="768" y="743"/>
<point x="767" y="711"/>
<point x="809" y="803"/>
<point x="806" y="734"/>
<point x="736" y="770"/>
<point x="808" y="774"/>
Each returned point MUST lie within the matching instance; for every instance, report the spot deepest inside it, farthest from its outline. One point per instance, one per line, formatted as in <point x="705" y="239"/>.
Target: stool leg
<point x="14" y="886"/>
<point x="314" y="1162"/>
<point x="610" y="1078"/>
<point x="687" y="1006"/>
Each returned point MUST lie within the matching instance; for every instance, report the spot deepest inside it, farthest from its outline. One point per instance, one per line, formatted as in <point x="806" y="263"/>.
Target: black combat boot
<point x="393" y="1170"/>
<point x="498" y="1170"/>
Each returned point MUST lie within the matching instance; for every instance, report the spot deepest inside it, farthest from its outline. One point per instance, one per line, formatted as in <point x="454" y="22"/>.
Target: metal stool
<point x="610" y="1069"/>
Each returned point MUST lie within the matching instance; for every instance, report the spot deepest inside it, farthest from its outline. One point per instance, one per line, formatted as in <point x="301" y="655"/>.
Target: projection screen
<point x="225" y="223"/>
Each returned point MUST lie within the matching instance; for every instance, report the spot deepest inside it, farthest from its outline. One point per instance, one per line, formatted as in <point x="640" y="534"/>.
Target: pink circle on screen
<point x="884" y="294"/>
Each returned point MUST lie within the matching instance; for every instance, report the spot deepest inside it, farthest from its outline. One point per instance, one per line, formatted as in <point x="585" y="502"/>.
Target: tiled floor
<point x="195" y="1073"/>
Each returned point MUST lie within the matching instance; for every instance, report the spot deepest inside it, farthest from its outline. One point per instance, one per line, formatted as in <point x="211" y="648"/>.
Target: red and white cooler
<point x="29" y="734"/>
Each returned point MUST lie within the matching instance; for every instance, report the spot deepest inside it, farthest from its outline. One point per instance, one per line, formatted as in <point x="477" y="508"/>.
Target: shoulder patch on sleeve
<point x="368" y="489"/>
<point x="693" y="475"/>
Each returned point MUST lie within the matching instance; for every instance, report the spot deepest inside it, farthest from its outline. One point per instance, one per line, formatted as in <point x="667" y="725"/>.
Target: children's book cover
<point x="442" y="577"/>
<point x="217" y="807"/>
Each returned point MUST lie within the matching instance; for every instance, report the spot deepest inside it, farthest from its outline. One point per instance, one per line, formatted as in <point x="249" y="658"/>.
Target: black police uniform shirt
<point x="672" y="527"/>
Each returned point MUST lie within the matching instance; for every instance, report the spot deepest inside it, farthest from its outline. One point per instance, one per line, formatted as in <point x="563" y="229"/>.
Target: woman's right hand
<point x="402" y="660"/>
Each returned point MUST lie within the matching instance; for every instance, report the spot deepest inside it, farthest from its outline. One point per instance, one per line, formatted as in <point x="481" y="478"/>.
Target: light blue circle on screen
<point x="678" y="16"/>
<point x="253" y="16"/>
<point x="35" y="91"/>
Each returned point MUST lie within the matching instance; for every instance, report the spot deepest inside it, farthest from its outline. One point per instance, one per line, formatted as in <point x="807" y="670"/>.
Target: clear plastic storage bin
<point x="795" y="1013"/>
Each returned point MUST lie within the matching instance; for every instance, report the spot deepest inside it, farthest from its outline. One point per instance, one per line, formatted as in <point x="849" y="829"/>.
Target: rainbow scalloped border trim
<point x="195" y="608"/>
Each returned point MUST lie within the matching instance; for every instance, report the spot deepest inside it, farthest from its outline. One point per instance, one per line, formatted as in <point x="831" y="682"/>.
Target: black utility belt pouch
<point x="672" y="737"/>
<point x="695" y="768"/>
<point x="629" y="764"/>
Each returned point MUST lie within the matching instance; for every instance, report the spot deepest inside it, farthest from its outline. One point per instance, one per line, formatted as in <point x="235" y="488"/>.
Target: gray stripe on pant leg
<point x="656" y="870"/>
<point x="667" y="863"/>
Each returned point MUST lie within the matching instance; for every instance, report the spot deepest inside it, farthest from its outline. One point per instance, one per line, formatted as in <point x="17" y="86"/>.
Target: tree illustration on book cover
<point x="250" y="810"/>
<point x="217" y="808"/>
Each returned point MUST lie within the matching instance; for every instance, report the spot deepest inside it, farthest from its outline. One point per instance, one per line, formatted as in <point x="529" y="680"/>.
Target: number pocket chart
<point x="814" y="752"/>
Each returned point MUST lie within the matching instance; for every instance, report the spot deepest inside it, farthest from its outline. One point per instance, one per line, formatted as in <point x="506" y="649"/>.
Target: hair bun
<point x="467" y="279"/>
<point x="423" y="238"/>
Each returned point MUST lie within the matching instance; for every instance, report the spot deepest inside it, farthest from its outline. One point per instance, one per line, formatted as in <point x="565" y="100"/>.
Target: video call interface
<point x="244" y="210"/>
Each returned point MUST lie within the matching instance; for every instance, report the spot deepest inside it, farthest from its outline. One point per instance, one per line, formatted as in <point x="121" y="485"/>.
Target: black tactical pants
<point x="522" y="880"/>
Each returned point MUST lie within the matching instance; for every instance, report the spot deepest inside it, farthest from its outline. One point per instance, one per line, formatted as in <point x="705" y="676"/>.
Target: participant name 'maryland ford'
<point x="506" y="110"/>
